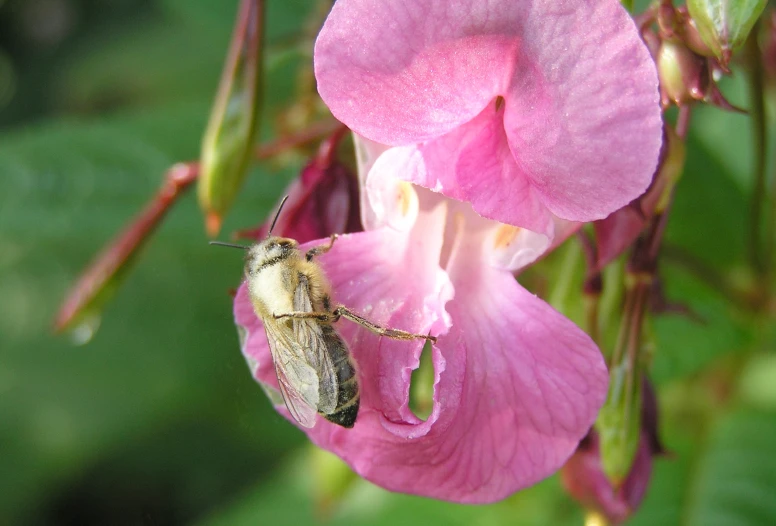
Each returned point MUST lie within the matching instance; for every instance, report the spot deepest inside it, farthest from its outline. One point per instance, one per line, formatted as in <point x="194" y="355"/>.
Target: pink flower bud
<point x="322" y="201"/>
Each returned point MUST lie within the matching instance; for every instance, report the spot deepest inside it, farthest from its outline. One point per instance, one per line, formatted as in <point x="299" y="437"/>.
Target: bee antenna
<point x="271" y="228"/>
<point x="230" y="245"/>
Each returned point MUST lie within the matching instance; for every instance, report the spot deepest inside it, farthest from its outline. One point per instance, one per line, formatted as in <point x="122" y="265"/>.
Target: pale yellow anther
<point x="405" y="197"/>
<point x="505" y="235"/>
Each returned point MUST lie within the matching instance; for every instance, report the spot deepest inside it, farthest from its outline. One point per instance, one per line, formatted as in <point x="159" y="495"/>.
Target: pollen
<point x="405" y="195"/>
<point x="505" y="235"/>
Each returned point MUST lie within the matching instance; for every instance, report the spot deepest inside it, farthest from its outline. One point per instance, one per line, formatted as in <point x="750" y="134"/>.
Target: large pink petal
<point x="581" y="112"/>
<point x="518" y="385"/>
<point x="402" y="71"/>
<point x="582" y="115"/>
<point x="533" y="384"/>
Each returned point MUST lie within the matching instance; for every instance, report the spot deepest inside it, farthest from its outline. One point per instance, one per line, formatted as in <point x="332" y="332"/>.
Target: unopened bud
<point x="724" y="25"/>
<point x="228" y="142"/>
<point x="584" y="479"/>
<point x="684" y="76"/>
<point x="690" y="34"/>
<point x="619" y="422"/>
<point x="322" y="201"/>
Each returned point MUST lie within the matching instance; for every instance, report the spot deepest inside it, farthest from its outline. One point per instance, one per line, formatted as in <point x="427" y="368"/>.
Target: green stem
<point x="760" y="247"/>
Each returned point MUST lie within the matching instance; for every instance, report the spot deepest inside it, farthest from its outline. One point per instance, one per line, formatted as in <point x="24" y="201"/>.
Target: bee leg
<point x="326" y="317"/>
<point x="382" y="331"/>
<point x="317" y="251"/>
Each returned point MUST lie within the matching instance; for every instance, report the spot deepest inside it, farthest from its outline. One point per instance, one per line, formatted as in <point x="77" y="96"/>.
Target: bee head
<point x="268" y="252"/>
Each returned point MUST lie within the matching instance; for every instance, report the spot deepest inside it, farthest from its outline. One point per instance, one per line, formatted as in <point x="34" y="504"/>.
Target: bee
<point x="292" y="296"/>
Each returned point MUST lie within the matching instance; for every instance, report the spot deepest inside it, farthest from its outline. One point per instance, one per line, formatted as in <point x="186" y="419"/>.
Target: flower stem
<point x="592" y="287"/>
<point x="100" y="279"/>
<point x="618" y="423"/>
<point x="310" y="134"/>
<point x="760" y="247"/>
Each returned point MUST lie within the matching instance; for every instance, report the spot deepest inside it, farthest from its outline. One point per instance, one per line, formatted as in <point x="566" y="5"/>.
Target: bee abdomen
<point x="348" y="397"/>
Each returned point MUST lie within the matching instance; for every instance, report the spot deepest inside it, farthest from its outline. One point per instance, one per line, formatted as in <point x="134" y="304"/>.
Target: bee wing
<point x="314" y="344"/>
<point x="297" y="380"/>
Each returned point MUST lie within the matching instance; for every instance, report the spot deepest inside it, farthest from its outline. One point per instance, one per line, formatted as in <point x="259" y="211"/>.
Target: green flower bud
<point x="684" y="76"/>
<point x="619" y="422"/>
<point x="228" y="141"/>
<point x="725" y="24"/>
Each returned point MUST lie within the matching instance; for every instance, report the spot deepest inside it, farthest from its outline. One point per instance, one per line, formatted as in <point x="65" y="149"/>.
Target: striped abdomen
<point x="347" y="382"/>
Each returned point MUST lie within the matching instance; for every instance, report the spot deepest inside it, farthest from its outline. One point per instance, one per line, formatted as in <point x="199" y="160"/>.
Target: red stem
<point x="116" y="254"/>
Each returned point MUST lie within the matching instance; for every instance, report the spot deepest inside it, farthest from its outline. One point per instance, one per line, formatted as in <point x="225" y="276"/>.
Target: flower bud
<point x="684" y="76"/>
<point x="724" y="25"/>
<point x="619" y="422"/>
<point x="322" y="201"/>
<point x="690" y="34"/>
<point x="584" y="479"/>
<point x="228" y="142"/>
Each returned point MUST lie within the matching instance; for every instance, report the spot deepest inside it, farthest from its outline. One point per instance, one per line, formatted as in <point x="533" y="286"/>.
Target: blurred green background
<point x="157" y="421"/>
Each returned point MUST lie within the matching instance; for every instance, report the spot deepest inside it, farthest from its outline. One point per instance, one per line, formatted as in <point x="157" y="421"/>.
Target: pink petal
<point x="367" y="153"/>
<point x="581" y="115"/>
<point x="533" y="384"/>
<point x="454" y="166"/>
<point x="617" y="232"/>
<point x="518" y="386"/>
<point x="513" y="248"/>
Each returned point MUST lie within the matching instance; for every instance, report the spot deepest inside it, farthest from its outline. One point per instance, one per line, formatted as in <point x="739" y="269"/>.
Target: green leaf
<point x="286" y="498"/>
<point x="736" y="477"/>
<point x="720" y="473"/>
<point x="686" y="343"/>
<point x="167" y="355"/>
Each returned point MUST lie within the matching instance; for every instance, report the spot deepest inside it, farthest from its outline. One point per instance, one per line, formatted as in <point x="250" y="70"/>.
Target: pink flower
<point x="517" y="385"/>
<point x="524" y="108"/>
<point x="517" y="111"/>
